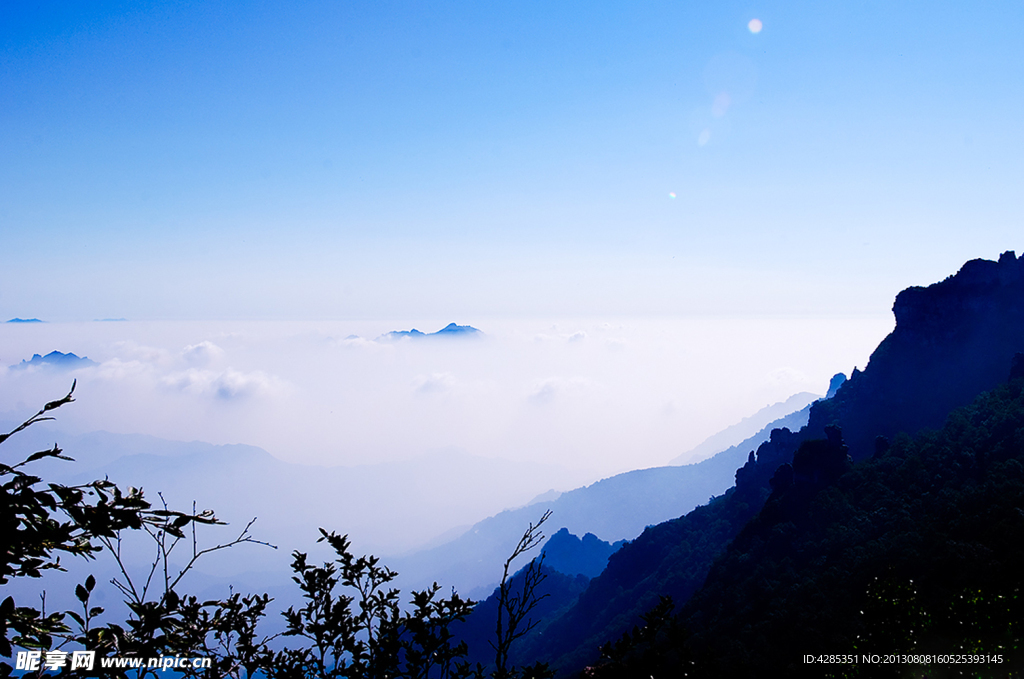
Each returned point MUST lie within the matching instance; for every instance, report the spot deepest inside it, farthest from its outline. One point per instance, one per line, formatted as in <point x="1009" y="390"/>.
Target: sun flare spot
<point x="671" y="194"/>
<point x="755" y="25"/>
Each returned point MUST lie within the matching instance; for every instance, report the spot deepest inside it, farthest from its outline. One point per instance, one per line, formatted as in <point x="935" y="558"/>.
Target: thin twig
<point x="39" y="417"/>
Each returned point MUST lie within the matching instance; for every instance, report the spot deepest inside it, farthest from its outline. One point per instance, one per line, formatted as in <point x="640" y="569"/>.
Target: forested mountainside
<point x="916" y="550"/>
<point x="952" y="341"/>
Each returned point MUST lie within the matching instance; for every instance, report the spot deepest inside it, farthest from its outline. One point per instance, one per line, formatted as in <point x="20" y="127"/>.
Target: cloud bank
<point x="601" y="396"/>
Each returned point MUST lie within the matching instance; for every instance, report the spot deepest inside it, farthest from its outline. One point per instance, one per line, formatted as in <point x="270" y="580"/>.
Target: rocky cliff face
<point x="980" y="288"/>
<point x="952" y="340"/>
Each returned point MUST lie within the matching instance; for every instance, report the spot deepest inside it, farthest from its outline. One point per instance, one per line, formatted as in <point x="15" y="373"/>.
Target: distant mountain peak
<point x="24" y="320"/>
<point x="57" y="360"/>
<point x="398" y="334"/>
<point x="571" y="555"/>
<point x="450" y="330"/>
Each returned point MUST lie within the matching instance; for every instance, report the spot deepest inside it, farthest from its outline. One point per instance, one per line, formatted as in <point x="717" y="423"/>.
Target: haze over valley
<point x="491" y="422"/>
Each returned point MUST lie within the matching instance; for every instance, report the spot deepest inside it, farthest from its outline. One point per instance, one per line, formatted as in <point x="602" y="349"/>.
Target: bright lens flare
<point x="671" y="194"/>
<point x="755" y="25"/>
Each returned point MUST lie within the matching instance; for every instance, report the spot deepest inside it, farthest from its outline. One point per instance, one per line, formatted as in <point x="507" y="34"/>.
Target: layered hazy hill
<point x="448" y="488"/>
<point x="952" y="341"/>
<point x="616" y="508"/>
<point x="792" y="413"/>
<point x="292" y="500"/>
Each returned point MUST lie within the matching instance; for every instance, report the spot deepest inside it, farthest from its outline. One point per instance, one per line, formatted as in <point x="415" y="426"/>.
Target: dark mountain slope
<point x="952" y="341"/>
<point x="917" y="550"/>
<point x="568" y="564"/>
<point x="956" y="338"/>
<point x="670" y="559"/>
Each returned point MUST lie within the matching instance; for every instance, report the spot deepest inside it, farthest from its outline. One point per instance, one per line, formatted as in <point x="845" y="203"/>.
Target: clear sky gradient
<point x="332" y="160"/>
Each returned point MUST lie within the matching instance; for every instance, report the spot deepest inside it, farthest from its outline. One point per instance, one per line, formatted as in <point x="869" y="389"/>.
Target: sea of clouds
<point x="597" y="397"/>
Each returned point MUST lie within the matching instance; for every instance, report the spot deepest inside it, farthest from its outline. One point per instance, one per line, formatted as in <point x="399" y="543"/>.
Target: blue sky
<point x="459" y="160"/>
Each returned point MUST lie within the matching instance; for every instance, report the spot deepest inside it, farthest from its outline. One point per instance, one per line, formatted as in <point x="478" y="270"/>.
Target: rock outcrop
<point x="952" y="340"/>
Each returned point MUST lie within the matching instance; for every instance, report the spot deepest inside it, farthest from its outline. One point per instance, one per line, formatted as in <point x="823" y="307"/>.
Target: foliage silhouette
<point x="351" y="625"/>
<point x="365" y="633"/>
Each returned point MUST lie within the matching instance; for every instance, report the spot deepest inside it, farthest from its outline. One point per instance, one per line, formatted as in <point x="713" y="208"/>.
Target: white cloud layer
<point x="434" y="383"/>
<point x="590" y="395"/>
<point x="550" y="389"/>
<point x="203" y="353"/>
<point x="227" y="385"/>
